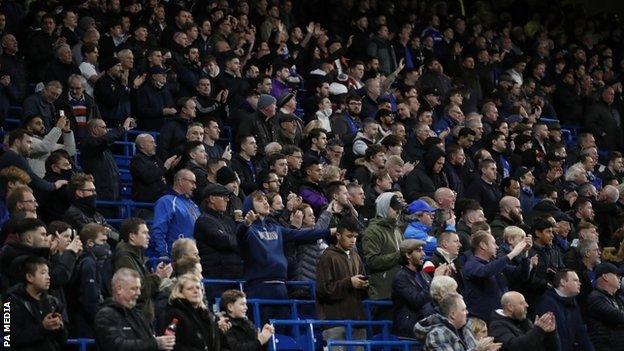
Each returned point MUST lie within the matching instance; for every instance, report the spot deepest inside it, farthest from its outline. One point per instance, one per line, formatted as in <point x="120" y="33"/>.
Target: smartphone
<point x="364" y="277"/>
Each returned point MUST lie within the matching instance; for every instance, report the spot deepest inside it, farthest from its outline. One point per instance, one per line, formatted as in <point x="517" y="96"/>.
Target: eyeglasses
<point x="190" y="180"/>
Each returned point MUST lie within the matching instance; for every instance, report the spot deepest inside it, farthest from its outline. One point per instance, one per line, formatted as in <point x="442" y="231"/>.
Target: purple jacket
<point x="313" y="196"/>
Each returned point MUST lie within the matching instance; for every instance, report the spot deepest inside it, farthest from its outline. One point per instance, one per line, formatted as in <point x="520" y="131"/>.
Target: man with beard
<point x="111" y="92"/>
<point x="207" y="107"/>
<point x="410" y="288"/>
<point x="310" y="190"/>
<point x="188" y="71"/>
<point x="43" y="145"/>
<point x="510" y="213"/>
<point x="347" y="125"/>
<point x="511" y="327"/>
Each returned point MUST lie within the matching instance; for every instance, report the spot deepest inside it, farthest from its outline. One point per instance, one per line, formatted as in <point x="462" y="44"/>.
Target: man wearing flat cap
<point x="154" y="103"/>
<point x="605" y="309"/>
<point x="215" y="233"/>
<point x="261" y="126"/>
<point x="410" y="288"/>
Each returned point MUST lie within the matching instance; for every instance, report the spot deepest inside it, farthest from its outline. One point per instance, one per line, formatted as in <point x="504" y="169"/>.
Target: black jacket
<point x="488" y="196"/>
<point x="27" y="313"/>
<point x="410" y="295"/>
<point x="113" y="99"/>
<point x="419" y="183"/>
<point x="172" y="135"/>
<point x="201" y="178"/>
<point x="218" y="248"/>
<point x="605" y="320"/>
<point x="53" y="204"/>
<point x="148" y="184"/>
<point x="78" y="217"/>
<point x="150" y="102"/>
<point x="247" y="176"/>
<point x="521" y="335"/>
<point x="196" y="330"/>
<point x="242" y="336"/>
<point x="97" y="159"/>
<point x="262" y="129"/>
<point x="122" y="329"/>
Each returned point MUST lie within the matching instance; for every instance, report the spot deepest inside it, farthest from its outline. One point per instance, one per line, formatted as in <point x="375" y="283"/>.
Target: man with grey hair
<point x="62" y="67"/>
<point x="42" y="104"/>
<point x="148" y="171"/>
<point x="447" y="330"/>
<point x="607" y="211"/>
<point x="119" y="325"/>
<point x="510" y="326"/>
<point x="78" y="106"/>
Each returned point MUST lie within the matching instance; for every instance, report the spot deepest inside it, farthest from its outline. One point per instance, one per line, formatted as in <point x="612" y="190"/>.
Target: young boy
<point x="36" y="321"/>
<point x="87" y="282"/>
<point x="341" y="283"/>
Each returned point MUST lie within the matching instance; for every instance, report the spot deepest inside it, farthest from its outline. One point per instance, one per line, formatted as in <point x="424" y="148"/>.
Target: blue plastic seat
<point x="286" y="343"/>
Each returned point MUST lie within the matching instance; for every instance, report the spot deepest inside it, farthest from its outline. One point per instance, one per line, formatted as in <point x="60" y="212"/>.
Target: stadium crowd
<point x="461" y="159"/>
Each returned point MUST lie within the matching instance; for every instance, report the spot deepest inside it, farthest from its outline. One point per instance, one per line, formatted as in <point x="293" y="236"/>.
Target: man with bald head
<point x="148" y="171"/>
<point x="510" y="326"/>
<point x="510" y="213"/>
<point x="606" y="211"/>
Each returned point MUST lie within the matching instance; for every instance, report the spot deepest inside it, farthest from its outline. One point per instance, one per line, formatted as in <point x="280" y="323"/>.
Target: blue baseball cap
<point x="419" y="206"/>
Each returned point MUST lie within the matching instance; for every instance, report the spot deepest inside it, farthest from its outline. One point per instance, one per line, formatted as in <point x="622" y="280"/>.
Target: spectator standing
<point x="605" y="309"/>
<point x="486" y="277"/>
<point x="129" y="254"/>
<point x="36" y="323"/>
<point x="148" y="170"/>
<point x="43" y="144"/>
<point x="19" y="148"/>
<point x="511" y="327"/>
<point x="78" y="106"/>
<point x="561" y="302"/>
<point x="381" y="245"/>
<point x="243" y="163"/>
<point x="154" y="101"/>
<point x="62" y="67"/>
<point x="42" y="104"/>
<point x="173" y="131"/>
<point x="243" y="334"/>
<point x="112" y="93"/>
<point x="214" y="232"/>
<point x="340" y="282"/>
<point x="120" y="324"/>
<point x="174" y="215"/>
<point x="484" y="189"/>
<point x="97" y="158"/>
<point x="261" y="127"/>
<point x="82" y="209"/>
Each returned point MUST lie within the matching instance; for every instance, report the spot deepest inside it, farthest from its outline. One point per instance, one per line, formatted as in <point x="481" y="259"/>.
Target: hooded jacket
<point x="381" y="250"/>
<point x="440" y="335"/>
<point x="420" y="231"/>
<point x="422" y="181"/>
<point x="262" y="246"/>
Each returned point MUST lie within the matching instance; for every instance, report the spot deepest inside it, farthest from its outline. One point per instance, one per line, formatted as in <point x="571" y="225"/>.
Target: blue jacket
<point x="261" y="246"/>
<point x="486" y="282"/>
<point x="174" y="217"/>
<point x="572" y="330"/>
<point x="419" y="231"/>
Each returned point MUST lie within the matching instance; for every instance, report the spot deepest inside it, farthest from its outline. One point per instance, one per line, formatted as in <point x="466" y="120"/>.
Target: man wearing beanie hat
<point x="261" y="126"/>
<point x="112" y="93"/>
<point x="410" y="288"/>
<point x="381" y="246"/>
<point x="215" y="233"/>
<point x="605" y="309"/>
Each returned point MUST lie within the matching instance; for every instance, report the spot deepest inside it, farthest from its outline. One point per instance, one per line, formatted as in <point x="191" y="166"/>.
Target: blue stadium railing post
<point x="256" y="311"/>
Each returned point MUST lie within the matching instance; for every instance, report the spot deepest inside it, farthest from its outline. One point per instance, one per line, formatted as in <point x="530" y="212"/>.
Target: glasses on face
<point x="192" y="181"/>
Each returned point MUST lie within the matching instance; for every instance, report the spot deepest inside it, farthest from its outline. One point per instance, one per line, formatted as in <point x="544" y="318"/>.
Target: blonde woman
<point x="197" y="328"/>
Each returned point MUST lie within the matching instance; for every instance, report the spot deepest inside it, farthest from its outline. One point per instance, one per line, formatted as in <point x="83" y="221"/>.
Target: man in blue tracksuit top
<point x="261" y="244"/>
<point x="174" y="215"/>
